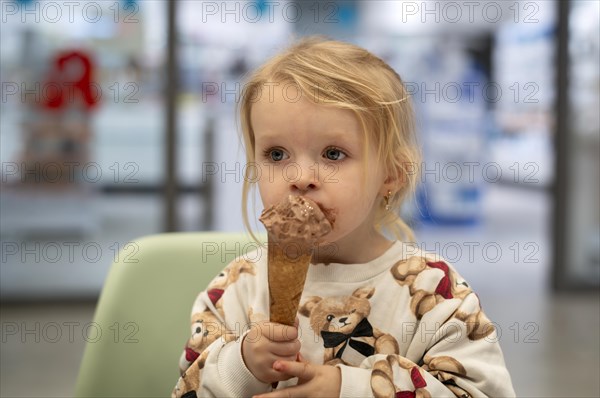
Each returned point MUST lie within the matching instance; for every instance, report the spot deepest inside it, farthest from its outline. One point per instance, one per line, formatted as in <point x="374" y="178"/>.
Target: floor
<point x="551" y="342"/>
<point x="42" y="345"/>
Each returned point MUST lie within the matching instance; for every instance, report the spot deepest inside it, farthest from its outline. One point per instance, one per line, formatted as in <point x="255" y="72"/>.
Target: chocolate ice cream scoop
<point x="298" y="220"/>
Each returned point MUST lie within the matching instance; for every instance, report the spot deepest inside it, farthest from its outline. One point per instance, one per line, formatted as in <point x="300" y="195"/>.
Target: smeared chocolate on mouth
<point x="329" y="213"/>
<point x="298" y="219"/>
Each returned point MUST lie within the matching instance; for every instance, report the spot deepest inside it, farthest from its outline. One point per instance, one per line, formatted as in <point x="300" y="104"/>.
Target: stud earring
<point x="386" y="200"/>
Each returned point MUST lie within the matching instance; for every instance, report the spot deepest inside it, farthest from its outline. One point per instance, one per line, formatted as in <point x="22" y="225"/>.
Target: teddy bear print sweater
<point x="402" y="325"/>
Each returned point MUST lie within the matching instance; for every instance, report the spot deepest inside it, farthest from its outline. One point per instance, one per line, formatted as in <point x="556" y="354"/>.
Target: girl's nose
<point x="305" y="179"/>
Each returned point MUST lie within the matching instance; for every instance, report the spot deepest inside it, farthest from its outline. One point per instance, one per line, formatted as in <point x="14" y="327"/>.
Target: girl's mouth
<point x="329" y="213"/>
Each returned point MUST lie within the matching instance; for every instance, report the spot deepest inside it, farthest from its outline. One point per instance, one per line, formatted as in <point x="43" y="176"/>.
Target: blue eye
<point x="334" y="154"/>
<point x="277" y="155"/>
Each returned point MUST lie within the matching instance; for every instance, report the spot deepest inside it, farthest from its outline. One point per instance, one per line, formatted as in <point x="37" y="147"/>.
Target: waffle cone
<point x="288" y="266"/>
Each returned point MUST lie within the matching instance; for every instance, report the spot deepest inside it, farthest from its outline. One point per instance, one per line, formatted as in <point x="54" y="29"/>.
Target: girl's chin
<point x="324" y="244"/>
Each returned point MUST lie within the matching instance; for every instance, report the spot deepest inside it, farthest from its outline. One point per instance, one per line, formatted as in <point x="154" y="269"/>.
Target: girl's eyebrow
<point x="336" y="134"/>
<point x="268" y="137"/>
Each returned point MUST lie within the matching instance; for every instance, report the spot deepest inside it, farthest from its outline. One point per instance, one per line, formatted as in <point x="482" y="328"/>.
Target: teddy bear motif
<point x="430" y="283"/>
<point x="382" y="379"/>
<point x="342" y="323"/>
<point x="228" y="276"/>
<point x="478" y="325"/>
<point x="188" y="384"/>
<point x="206" y="328"/>
<point x="445" y="369"/>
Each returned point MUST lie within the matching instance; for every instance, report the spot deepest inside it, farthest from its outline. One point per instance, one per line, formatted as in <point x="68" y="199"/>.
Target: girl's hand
<point x="313" y="380"/>
<point x="266" y="343"/>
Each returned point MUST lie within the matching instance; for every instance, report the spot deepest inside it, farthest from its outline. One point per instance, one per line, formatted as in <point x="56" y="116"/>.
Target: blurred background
<point x="118" y="121"/>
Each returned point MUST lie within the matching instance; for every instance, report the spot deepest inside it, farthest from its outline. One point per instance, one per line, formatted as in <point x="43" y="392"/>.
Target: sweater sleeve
<point x="451" y="349"/>
<point x="211" y="364"/>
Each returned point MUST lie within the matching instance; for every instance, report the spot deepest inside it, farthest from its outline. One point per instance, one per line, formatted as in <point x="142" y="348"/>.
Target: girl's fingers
<point x="302" y="370"/>
<point x="286" y="349"/>
<point x="280" y="333"/>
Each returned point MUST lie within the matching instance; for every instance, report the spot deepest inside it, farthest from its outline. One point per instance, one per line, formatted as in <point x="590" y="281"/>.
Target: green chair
<point x="142" y="317"/>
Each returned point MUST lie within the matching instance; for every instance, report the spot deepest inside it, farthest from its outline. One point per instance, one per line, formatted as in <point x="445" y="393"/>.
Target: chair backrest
<point x="142" y="317"/>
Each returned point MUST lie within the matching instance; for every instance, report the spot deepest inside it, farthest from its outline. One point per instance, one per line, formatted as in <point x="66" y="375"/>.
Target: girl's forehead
<point x="275" y="91"/>
<point x="273" y="117"/>
<point x="290" y="98"/>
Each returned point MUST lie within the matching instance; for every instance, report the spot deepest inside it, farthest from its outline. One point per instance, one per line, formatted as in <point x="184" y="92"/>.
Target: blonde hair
<point x="346" y="76"/>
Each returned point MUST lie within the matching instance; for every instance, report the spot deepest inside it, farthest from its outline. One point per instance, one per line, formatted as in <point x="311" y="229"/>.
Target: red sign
<point x="71" y="73"/>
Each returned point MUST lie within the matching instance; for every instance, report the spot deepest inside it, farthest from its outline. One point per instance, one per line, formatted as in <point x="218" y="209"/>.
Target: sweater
<point x="405" y="324"/>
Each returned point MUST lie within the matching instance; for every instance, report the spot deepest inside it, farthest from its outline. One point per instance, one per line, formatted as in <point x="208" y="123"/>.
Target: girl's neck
<point x="353" y="249"/>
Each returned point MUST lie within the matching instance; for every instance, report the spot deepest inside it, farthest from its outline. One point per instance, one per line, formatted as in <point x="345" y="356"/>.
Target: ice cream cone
<point x="294" y="226"/>
<point x="287" y="272"/>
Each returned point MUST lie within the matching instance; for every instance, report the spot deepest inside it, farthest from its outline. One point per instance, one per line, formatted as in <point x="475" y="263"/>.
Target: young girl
<point x="330" y="121"/>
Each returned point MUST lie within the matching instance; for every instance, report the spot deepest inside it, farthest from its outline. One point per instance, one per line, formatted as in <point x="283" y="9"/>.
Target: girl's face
<point x="302" y="148"/>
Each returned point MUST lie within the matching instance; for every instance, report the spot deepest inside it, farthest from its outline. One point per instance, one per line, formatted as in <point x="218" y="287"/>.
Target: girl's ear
<point x="395" y="180"/>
